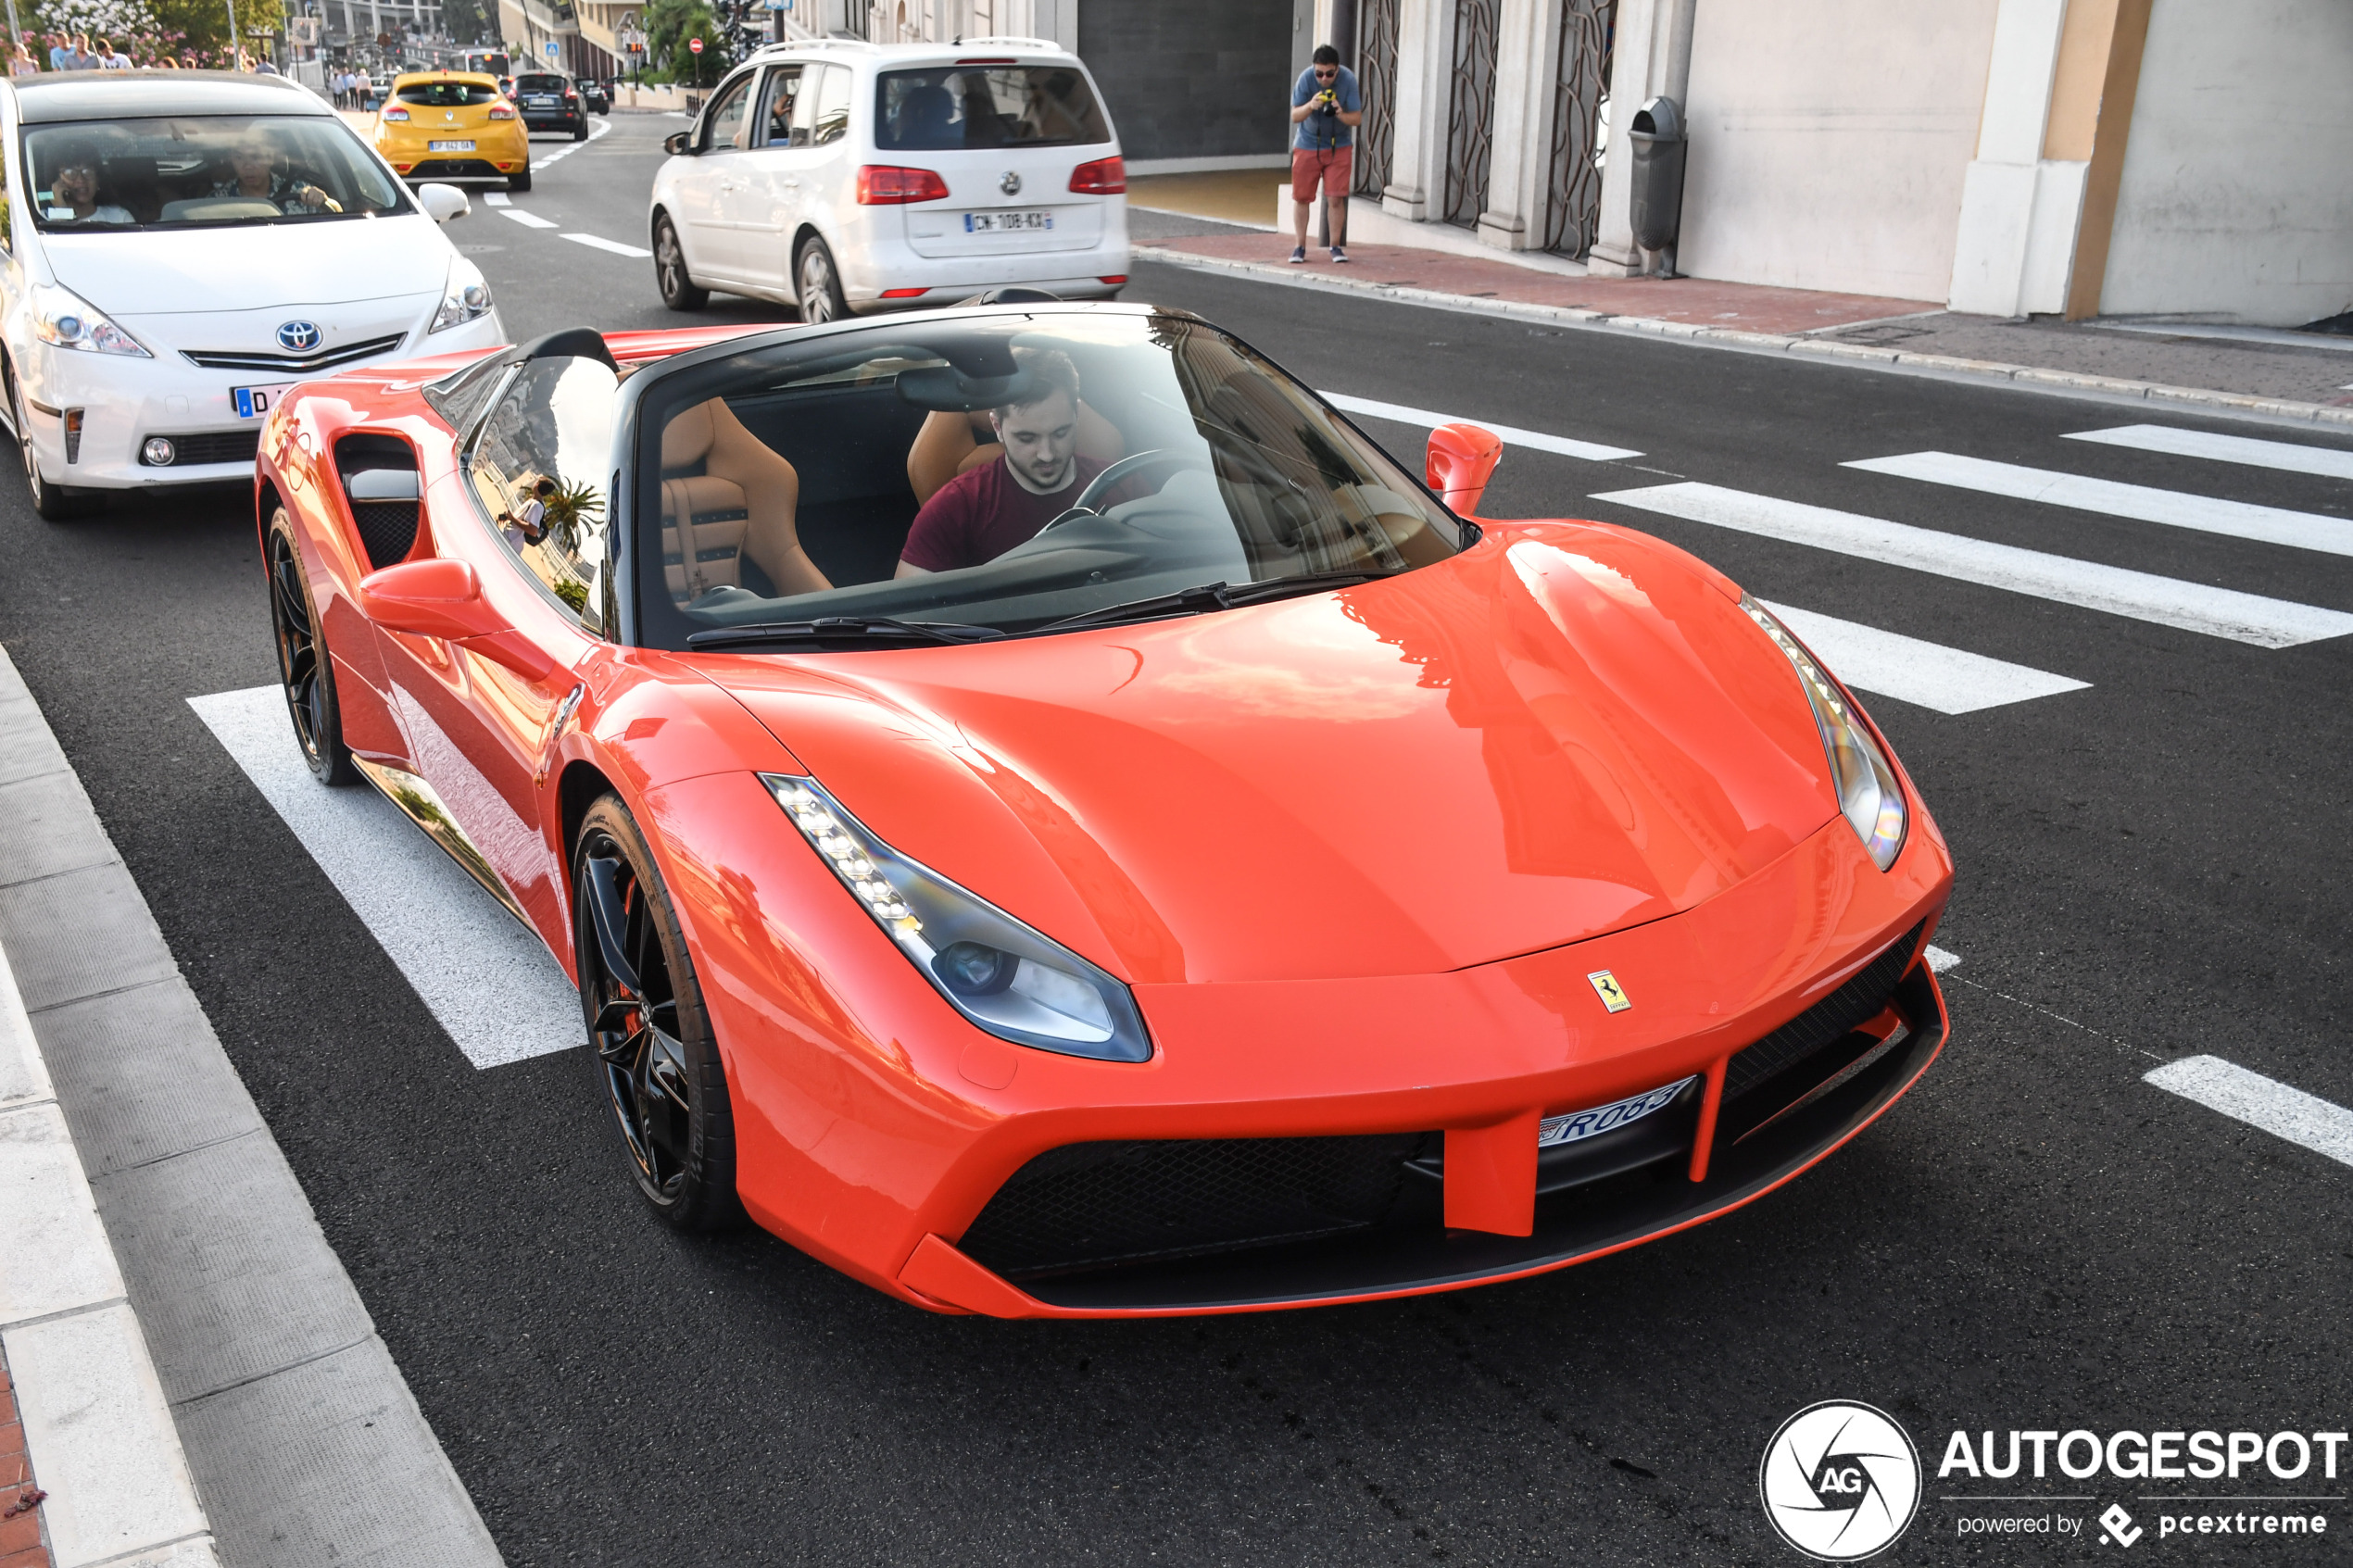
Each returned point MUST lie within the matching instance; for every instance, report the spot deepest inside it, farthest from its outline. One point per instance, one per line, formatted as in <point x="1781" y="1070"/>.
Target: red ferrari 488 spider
<point x="1049" y="818"/>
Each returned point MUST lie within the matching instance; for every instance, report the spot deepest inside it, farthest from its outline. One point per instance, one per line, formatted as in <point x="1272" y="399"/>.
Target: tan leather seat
<point x="953" y="444"/>
<point x="726" y="495"/>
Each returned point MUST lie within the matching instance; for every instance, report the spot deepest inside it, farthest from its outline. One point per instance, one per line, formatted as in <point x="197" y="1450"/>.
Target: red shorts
<point x="1329" y="164"/>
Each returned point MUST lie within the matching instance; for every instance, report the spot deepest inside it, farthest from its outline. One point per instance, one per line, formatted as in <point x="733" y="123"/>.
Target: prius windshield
<point x="203" y="170"/>
<point x="999" y="474"/>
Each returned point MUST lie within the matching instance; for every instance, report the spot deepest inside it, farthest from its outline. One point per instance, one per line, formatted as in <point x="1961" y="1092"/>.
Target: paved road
<point x="2154" y="863"/>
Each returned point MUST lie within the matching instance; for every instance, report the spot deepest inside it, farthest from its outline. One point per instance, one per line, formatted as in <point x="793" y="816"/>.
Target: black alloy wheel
<point x="678" y="289"/>
<point x="654" y="1048"/>
<point x="304" y="669"/>
<point x="821" y="297"/>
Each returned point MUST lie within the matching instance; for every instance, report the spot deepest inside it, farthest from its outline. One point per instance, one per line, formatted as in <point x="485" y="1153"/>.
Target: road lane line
<point x="2165" y="601"/>
<point x="1926" y="674"/>
<point x="2290" y="456"/>
<point x="495" y="198"/>
<point x="595" y="130"/>
<point x="1511" y="434"/>
<point x="1939" y="959"/>
<point x="2141" y="503"/>
<point x="528" y="220"/>
<point x="2301" y="1119"/>
<point x="598" y="242"/>
<point x="492" y="984"/>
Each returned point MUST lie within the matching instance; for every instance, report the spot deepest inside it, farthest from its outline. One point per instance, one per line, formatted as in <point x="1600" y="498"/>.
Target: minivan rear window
<point x="446" y="95"/>
<point x="940" y="109"/>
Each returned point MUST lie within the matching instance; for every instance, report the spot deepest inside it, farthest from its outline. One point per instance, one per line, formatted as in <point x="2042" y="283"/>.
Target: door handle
<point x="790" y="184"/>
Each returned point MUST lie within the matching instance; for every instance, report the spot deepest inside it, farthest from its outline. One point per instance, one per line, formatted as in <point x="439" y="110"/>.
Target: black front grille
<point x="1853" y="1004"/>
<point x="292" y="364"/>
<point x="454" y="168"/>
<point x="210" y="447"/>
<point x="1090" y="1205"/>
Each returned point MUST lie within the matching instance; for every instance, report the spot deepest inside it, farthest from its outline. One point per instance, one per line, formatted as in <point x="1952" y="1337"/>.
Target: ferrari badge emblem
<point x="1612" y="994"/>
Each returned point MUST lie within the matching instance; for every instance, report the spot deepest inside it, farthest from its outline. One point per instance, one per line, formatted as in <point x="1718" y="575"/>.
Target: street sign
<point x="693" y="45"/>
<point x="552" y="50"/>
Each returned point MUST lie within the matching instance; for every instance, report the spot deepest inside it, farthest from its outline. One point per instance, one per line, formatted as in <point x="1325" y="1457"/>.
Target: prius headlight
<point x="466" y="297"/>
<point x="1868" y="795"/>
<point x="63" y="319"/>
<point x="1017" y="984"/>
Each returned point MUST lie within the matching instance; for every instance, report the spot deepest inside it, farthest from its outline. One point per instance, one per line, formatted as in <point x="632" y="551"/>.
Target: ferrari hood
<point x="1563" y="732"/>
<point x="288" y="266"/>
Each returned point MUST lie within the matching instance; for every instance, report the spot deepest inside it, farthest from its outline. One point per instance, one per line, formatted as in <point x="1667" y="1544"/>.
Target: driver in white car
<point x="72" y="196"/>
<point x="979" y="515"/>
<point x="254" y="163"/>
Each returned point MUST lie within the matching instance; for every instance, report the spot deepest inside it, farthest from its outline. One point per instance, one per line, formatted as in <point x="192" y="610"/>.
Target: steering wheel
<point x="1085" y="505"/>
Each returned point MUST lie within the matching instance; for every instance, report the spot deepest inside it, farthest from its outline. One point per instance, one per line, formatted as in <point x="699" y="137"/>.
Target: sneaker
<point x="1339" y="252"/>
<point x="1299" y="256"/>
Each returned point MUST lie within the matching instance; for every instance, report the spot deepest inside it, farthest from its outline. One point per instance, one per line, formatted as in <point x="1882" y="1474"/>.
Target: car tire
<point x="678" y="288"/>
<point x="655" y="1052"/>
<point x="53" y="503"/>
<point x="818" y="283"/>
<point x="305" y="671"/>
<point x="579" y="131"/>
<point x="521" y="178"/>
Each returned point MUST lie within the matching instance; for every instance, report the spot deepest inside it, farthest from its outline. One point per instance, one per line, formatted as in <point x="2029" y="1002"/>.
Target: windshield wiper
<point x="857" y="631"/>
<point x="1213" y="595"/>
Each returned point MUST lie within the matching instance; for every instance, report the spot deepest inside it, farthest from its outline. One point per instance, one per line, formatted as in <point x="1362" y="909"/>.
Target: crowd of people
<point x="352" y="89"/>
<point x="32" y="54"/>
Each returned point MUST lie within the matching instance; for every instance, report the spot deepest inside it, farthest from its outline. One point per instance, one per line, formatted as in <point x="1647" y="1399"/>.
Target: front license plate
<point x="1578" y="1126"/>
<point x="1003" y="222"/>
<point x="449" y="146"/>
<point x="252" y="402"/>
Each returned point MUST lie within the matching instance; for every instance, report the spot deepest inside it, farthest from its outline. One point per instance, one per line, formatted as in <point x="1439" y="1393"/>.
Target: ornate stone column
<point x="1527" y="55"/>
<point x="1653" y="57"/>
<point x="1417" y="156"/>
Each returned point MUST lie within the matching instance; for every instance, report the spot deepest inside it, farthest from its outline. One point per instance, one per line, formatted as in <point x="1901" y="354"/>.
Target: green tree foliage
<point x="669" y="24"/>
<point x="203" y="24"/>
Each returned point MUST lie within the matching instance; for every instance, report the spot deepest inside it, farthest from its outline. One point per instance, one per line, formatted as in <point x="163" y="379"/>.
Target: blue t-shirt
<point x="1319" y="132"/>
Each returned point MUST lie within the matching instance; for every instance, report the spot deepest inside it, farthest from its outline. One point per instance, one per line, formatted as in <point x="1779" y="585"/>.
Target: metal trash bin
<point x="1658" y="148"/>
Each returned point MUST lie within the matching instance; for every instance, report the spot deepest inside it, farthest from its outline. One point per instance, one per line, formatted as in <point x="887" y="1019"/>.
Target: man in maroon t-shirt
<point x="979" y="515"/>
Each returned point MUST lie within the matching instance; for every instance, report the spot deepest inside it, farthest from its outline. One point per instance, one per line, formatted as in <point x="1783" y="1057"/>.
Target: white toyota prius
<point x="181" y="247"/>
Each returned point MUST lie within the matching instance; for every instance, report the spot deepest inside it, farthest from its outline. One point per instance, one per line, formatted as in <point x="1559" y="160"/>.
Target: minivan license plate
<point x="1000" y="222"/>
<point x="252" y="402"/>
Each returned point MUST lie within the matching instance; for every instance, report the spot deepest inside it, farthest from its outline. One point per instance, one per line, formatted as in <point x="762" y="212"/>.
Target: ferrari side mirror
<point x="676" y="144"/>
<point x="1462" y="459"/>
<point x="443" y="202"/>
<point x="438" y="597"/>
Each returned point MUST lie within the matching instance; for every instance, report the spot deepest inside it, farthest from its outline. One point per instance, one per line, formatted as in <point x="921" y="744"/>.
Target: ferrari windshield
<point x="209" y="170"/>
<point x="998" y="474"/>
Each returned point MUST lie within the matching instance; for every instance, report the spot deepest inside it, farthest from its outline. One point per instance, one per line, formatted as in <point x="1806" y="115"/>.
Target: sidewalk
<point x="2304" y="377"/>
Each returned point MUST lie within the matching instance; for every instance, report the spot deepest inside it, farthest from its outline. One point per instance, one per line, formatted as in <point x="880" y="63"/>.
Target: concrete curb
<point x="97" y="1430"/>
<point x="2031" y="378"/>
<point x="265" y="1382"/>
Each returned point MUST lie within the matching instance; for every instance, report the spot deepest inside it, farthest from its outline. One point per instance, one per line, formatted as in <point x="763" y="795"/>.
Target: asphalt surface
<point x="2154" y="867"/>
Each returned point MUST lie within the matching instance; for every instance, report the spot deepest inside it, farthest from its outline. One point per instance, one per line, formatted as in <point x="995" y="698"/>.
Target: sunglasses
<point x="1326" y="75"/>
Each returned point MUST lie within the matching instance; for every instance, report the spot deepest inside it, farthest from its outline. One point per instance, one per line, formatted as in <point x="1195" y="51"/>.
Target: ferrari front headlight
<point x="466" y="297"/>
<point x="1868" y="795"/>
<point x="65" y="320"/>
<point x="1013" y="981"/>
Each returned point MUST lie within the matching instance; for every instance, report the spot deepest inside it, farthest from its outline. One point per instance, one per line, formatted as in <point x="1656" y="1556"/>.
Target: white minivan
<point x="850" y="176"/>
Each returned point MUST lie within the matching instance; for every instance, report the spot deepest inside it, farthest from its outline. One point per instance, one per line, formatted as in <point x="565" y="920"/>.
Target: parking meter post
<point x="1657" y="196"/>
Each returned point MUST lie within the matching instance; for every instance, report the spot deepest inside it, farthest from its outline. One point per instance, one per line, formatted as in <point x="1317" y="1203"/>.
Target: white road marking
<point x="1511" y="434"/>
<point x="492" y="984"/>
<point x="595" y="130"/>
<point x="1939" y="959"/>
<point x="2143" y="503"/>
<point x="2293" y="457"/>
<point x="2193" y="607"/>
<point x="2307" y="1119"/>
<point x="1927" y="674"/>
<point x="598" y="242"/>
<point x="495" y="198"/>
<point x="528" y="220"/>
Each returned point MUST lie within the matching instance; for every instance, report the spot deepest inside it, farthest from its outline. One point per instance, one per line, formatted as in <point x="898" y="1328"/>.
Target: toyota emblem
<point x="1010" y="183"/>
<point x="298" y="337"/>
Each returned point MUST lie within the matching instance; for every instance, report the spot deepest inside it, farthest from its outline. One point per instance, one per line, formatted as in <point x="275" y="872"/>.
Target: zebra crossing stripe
<point x="2291" y="457"/>
<point x="1925" y="674"/>
<point x="1511" y="436"/>
<point x="2316" y="1124"/>
<point x="2165" y="601"/>
<point x="2174" y="509"/>
<point x="528" y="220"/>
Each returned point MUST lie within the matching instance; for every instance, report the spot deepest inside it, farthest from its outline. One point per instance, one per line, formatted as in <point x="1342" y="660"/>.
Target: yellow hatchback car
<point x="453" y="125"/>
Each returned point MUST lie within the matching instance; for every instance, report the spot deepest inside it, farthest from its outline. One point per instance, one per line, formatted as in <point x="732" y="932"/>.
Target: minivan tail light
<point x="502" y="111"/>
<point x="882" y="184"/>
<point x="1104" y="177"/>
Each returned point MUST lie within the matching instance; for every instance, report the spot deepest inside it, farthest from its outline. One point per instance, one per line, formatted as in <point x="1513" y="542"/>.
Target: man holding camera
<point x="1325" y="110"/>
